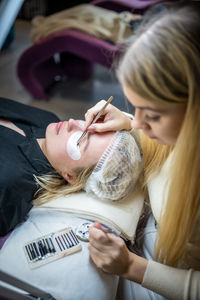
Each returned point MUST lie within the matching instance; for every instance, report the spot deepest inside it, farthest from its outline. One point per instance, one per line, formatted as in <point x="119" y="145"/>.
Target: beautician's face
<point x="57" y="143"/>
<point x="159" y="121"/>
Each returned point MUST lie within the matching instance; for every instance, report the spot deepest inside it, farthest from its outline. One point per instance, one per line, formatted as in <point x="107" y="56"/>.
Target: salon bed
<point x="37" y="67"/>
<point x="70" y="278"/>
<point x="74" y="276"/>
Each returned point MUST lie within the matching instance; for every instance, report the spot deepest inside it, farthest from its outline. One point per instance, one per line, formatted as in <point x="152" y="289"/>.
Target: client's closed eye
<point x="84" y="143"/>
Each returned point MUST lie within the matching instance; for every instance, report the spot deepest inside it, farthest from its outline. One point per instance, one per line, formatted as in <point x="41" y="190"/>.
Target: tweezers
<point x="96" y="118"/>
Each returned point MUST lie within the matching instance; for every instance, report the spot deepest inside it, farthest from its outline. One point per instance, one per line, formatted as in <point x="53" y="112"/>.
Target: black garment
<point x="20" y="158"/>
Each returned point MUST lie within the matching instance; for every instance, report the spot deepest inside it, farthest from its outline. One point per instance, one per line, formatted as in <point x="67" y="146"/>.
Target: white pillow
<point x="121" y="215"/>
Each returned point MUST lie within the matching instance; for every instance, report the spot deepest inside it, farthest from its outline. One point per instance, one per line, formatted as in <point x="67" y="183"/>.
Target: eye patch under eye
<point x="81" y="123"/>
<point x="71" y="146"/>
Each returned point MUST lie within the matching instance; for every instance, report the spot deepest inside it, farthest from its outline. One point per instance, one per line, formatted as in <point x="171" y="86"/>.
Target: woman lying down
<point x="40" y="160"/>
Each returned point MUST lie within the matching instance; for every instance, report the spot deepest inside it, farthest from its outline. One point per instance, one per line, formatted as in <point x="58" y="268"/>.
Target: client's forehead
<point x="100" y="136"/>
<point x="97" y="143"/>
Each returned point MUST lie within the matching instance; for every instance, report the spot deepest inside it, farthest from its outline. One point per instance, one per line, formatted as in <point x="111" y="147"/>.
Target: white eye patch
<point x="71" y="146"/>
<point x="81" y="123"/>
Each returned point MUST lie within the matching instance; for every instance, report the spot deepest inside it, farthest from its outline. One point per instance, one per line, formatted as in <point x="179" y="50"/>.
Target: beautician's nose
<point x="73" y="125"/>
<point x="139" y="122"/>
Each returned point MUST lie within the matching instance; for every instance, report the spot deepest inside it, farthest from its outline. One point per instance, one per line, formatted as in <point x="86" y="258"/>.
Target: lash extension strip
<point x="51" y="247"/>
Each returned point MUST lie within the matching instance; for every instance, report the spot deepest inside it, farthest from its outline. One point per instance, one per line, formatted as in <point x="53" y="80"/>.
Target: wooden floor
<point x="68" y="99"/>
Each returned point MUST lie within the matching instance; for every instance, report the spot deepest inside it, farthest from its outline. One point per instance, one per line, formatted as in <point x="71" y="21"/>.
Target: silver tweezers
<point x="95" y="119"/>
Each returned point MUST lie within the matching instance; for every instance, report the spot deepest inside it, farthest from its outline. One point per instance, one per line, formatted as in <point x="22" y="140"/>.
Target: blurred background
<point x="67" y="96"/>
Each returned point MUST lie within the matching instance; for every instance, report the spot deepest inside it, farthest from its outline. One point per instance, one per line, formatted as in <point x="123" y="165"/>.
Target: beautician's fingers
<point x="99" y="259"/>
<point x="113" y="119"/>
<point x="98" y="236"/>
<point x="108" y="252"/>
<point x="92" y="112"/>
<point x="97" y="225"/>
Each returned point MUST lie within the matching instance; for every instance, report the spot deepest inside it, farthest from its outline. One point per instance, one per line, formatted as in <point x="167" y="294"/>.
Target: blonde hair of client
<point x="54" y="185"/>
<point x="165" y="80"/>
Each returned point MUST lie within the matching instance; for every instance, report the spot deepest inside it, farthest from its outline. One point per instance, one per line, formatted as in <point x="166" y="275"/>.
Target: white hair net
<point x="117" y="170"/>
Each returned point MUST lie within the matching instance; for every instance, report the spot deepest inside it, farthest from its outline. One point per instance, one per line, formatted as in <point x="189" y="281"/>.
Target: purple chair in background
<point x="78" y="52"/>
<point x="37" y="67"/>
<point x="137" y="6"/>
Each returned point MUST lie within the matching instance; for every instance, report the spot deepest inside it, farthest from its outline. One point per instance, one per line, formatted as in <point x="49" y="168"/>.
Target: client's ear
<point x="70" y="177"/>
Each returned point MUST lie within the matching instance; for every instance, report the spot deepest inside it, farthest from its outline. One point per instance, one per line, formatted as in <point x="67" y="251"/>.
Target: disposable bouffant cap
<point x="117" y="170"/>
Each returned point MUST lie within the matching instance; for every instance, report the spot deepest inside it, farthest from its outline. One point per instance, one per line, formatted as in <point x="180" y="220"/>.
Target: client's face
<point x="61" y="146"/>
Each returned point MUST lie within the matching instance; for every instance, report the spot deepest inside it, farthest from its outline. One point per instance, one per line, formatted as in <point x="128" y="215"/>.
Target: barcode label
<point x="51" y="247"/>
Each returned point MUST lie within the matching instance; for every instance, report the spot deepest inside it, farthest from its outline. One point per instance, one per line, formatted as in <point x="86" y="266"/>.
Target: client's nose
<point x="73" y="124"/>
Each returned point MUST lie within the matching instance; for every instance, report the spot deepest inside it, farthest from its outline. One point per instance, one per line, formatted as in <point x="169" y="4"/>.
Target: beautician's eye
<point x="152" y="118"/>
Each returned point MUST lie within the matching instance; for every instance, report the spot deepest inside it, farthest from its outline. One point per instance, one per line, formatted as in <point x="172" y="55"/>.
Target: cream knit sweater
<point x="172" y="283"/>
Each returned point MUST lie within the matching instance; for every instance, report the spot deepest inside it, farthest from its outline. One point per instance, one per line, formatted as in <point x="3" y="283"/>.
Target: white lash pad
<point x="72" y="148"/>
<point x="81" y="123"/>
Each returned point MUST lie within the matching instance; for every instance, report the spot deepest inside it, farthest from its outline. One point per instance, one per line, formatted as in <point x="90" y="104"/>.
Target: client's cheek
<point x="71" y="146"/>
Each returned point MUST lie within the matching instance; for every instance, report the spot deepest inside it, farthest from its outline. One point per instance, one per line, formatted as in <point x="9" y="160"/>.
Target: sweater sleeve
<point x="172" y="283"/>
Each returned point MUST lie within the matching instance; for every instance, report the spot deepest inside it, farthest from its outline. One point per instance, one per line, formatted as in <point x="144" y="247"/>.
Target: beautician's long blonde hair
<point x="162" y="63"/>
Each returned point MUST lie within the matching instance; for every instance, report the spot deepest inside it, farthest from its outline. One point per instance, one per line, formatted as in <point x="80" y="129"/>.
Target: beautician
<point x="160" y="76"/>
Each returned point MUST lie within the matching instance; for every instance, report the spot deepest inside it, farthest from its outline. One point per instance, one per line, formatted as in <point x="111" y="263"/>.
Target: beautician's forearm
<point x="137" y="268"/>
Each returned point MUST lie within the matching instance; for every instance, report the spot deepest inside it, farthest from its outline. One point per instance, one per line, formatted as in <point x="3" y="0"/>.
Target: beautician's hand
<point x="112" y="119"/>
<point x="110" y="254"/>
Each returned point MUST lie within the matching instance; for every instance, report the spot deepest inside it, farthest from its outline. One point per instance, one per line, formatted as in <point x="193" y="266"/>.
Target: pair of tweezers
<point x="95" y="119"/>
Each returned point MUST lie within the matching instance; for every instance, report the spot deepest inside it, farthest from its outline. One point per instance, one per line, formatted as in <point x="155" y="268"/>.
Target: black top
<point x="20" y="158"/>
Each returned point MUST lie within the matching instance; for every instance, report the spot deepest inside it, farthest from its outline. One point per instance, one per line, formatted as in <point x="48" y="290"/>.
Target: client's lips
<point x="58" y="126"/>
